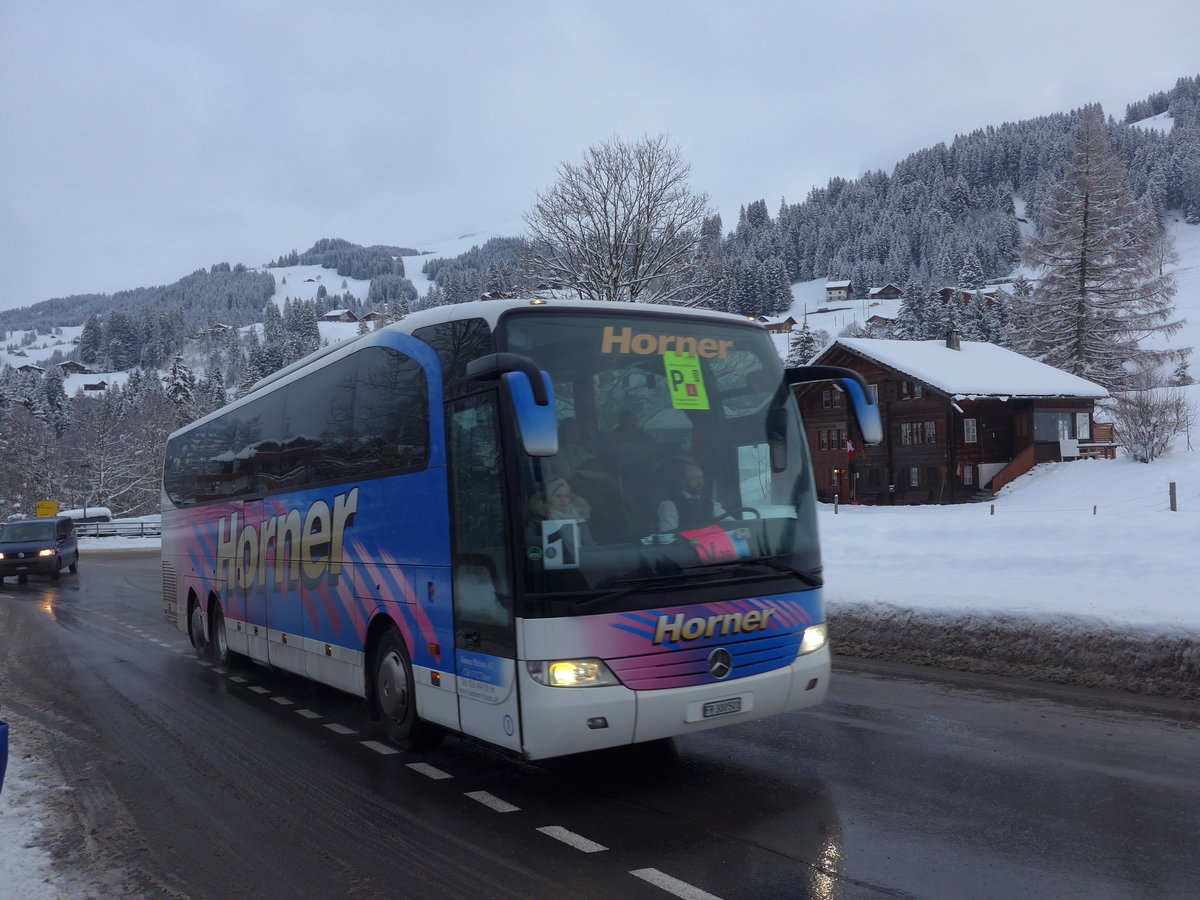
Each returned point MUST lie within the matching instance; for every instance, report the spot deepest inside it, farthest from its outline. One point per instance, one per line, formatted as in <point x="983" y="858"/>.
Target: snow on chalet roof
<point x="836" y="284"/>
<point x="978" y="369"/>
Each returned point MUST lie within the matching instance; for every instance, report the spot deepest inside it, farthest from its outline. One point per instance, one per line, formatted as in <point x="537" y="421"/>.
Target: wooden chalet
<point x="784" y="327"/>
<point x="887" y="292"/>
<point x="838" y="291"/>
<point x="960" y="420"/>
<point x="372" y="316"/>
<point x="339" y="315"/>
<point x="73" y="367"/>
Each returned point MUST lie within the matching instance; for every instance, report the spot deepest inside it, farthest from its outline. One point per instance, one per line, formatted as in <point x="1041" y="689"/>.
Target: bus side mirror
<point x="532" y="397"/>
<point x="866" y="410"/>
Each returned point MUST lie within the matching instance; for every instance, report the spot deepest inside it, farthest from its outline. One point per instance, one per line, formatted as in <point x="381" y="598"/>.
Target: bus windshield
<point x="681" y="460"/>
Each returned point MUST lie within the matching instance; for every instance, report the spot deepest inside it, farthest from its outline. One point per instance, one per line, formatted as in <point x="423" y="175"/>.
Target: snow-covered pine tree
<point x="180" y="388"/>
<point x="91" y="340"/>
<point x="803" y="345"/>
<point x="910" y="322"/>
<point x="1099" y="293"/>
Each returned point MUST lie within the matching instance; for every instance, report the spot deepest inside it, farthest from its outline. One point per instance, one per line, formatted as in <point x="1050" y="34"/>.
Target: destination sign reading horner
<point x="681" y="360"/>
<point x="626" y="340"/>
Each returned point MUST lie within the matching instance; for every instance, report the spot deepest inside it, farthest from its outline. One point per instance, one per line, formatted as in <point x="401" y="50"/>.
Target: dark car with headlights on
<point x="45" y="546"/>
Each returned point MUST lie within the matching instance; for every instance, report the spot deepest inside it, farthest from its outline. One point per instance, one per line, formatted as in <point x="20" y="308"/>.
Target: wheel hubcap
<point x="393" y="687"/>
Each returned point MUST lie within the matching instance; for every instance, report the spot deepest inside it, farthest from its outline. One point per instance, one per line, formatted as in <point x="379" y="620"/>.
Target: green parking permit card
<point x="686" y="381"/>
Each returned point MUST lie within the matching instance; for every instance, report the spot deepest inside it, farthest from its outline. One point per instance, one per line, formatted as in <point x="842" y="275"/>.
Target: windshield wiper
<point x="810" y="578"/>
<point x="634" y="584"/>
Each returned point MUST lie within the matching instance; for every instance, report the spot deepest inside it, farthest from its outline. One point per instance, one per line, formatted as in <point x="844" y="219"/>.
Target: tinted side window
<point x="318" y="432"/>
<point x="456" y="344"/>
<point x="359" y="416"/>
<point x="391" y="412"/>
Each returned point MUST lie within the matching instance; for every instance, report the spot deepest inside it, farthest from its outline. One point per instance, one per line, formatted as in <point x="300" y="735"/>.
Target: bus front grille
<point x="688" y="666"/>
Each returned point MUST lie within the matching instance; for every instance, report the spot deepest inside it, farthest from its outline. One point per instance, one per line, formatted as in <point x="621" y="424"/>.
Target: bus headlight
<point x="45" y="553"/>
<point x="815" y="637"/>
<point x="571" y="673"/>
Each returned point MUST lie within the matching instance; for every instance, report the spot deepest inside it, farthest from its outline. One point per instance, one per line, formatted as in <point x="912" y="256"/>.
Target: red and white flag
<point x="849" y="449"/>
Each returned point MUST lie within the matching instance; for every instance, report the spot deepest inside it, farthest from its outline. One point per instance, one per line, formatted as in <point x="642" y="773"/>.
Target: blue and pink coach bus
<point x="556" y="526"/>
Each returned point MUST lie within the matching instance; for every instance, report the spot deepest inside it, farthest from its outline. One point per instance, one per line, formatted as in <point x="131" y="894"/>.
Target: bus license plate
<point x="722" y="707"/>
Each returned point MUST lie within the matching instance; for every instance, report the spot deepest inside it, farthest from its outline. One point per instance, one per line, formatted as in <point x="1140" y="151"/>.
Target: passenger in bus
<point x="573" y="455"/>
<point x="629" y="436"/>
<point x="560" y="502"/>
<point x="686" y="506"/>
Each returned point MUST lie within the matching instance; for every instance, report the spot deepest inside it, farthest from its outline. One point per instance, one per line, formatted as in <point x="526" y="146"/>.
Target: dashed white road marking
<point x="258" y="689"/>
<point x="429" y="771"/>
<point x="201" y="662"/>
<point x="282" y="701"/>
<point x="493" y="802"/>
<point x="578" y="841"/>
<point x="339" y="729"/>
<point x="308" y="714"/>
<point x="383" y="749"/>
<point x="177" y="650"/>
<point x="236" y="678"/>
<point x="672" y="885"/>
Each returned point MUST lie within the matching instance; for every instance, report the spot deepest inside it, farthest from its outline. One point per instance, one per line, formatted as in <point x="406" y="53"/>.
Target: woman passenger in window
<point x="559" y="502"/>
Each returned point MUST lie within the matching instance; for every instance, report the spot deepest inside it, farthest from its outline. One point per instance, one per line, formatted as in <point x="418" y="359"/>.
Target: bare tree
<point x="622" y="225"/>
<point x="1102" y="288"/>
<point x="1148" y="419"/>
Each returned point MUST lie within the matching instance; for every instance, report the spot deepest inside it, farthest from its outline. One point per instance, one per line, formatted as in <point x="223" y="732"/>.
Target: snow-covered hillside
<point x="808" y="297"/>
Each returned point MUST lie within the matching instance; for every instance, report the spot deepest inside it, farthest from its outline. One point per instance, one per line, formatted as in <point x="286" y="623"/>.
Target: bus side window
<point x="482" y="593"/>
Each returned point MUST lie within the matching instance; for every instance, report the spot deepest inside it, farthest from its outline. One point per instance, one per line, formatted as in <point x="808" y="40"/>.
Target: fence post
<point x="1093" y="510"/>
<point x="993" y="512"/>
<point x="835" y="504"/>
<point x="1174" y="499"/>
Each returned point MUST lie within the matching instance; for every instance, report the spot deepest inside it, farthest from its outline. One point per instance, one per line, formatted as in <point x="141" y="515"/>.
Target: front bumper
<point x="37" y="565"/>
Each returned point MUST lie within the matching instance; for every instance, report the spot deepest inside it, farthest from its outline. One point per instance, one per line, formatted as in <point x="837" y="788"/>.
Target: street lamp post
<point x="87" y="473"/>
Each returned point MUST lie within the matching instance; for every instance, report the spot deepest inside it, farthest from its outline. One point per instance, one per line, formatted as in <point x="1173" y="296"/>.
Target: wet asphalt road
<point x="190" y="782"/>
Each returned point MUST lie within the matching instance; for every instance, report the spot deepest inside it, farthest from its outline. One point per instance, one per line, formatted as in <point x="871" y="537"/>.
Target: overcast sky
<point x="140" y="141"/>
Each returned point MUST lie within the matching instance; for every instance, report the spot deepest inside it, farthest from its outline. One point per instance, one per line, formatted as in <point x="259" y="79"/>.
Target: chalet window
<point x="905" y="390"/>
<point x="968" y="474"/>
<point x="916" y="390"/>
<point x="841" y="440"/>
<point x="824" y="438"/>
<point x="970" y="435"/>
<point x="874" y="393"/>
<point x="1052" y="426"/>
<point x="833" y="478"/>
<point x="1083" y="426"/>
<point x="914" y="476"/>
<point x="837" y="399"/>
<point x="931" y="432"/>
<point x="825" y="399"/>
<point x="906" y="435"/>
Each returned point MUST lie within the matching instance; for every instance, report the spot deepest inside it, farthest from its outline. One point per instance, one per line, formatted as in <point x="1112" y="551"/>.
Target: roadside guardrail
<point x="118" y="529"/>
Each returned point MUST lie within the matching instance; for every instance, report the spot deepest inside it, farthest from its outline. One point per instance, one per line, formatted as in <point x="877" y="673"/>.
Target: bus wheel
<point x="394" y="699"/>
<point x="221" y="654"/>
<point x="196" y="631"/>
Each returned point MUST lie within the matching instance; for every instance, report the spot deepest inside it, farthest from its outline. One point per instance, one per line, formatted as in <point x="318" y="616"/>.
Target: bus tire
<point x="196" y="629"/>
<point x="394" y="698"/>
<point x="220" y="652"/>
